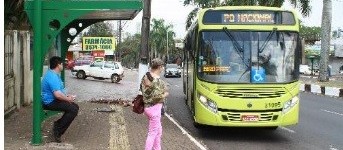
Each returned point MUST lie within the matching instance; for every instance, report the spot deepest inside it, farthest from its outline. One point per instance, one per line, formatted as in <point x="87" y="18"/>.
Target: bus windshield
<point x="247" y="56"/>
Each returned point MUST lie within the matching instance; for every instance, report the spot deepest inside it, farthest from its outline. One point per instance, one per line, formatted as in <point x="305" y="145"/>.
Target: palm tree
<point x="161" y="35"/>
<point x="130" y="50"/>
<point x="304" y="5"/>
<point x="157" y="37"/>
<point x="325" y="39"/>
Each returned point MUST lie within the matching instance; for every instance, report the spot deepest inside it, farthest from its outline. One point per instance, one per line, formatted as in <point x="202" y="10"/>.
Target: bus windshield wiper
<point x="270" y="35"/>
<point x="238" y="48"/>
<point x="235" y="43"/>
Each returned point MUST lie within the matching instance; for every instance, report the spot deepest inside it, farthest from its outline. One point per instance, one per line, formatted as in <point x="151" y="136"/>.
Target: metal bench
<point x="48" y="113"/>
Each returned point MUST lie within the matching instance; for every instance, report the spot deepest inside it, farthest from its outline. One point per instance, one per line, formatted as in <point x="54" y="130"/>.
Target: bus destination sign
<point x="248" y="17"/>
<point x="237" y="17"/>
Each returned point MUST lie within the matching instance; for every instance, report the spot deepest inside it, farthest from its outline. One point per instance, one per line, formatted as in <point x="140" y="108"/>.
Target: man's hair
<point x="155" y="63"/>
<point x="54" y="61"/>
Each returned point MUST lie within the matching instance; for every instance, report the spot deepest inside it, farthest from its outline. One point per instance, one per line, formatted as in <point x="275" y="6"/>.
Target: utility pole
<point x="119" y="42"/>
<point x="325" y="40"/>
<point x="143" y="65"/>
<point x="167" y="48"/>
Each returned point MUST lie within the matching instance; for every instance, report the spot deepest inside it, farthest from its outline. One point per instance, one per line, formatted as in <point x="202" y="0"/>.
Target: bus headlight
<point x="289" y="104"/>
<point x="211" y="105"/>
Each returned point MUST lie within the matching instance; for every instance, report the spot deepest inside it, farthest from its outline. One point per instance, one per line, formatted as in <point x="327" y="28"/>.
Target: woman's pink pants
<point x="153" y="140"/>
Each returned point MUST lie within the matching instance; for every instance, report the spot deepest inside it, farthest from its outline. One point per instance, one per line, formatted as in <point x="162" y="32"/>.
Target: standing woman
<point x="154" y="93"/>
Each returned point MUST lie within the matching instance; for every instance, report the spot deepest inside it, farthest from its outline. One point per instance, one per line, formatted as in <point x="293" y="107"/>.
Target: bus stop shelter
<point x="61" y="21"/>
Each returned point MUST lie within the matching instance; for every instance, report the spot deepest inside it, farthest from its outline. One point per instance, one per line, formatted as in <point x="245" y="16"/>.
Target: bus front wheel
<point x="197" y="125"/>
<point x="271" y="128"/>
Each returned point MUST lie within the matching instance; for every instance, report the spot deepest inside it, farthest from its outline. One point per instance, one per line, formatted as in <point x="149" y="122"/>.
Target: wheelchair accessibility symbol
<point x="258" y="75"/>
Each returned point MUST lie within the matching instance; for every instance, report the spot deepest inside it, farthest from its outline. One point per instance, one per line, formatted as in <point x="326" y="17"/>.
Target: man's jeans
<point x="70" y="112"/>
<point x="153" y="140"/>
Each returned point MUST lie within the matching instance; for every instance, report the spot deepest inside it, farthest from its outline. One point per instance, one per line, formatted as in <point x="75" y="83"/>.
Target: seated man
<point x="55" y="98"/>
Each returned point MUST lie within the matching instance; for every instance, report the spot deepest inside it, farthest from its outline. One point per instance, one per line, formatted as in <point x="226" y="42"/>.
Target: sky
<point x="173" y="12"/>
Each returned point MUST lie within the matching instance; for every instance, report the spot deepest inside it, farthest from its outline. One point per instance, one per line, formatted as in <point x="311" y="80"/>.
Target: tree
<point x="14" y="16"/>
<point x="304" y="5"/>
<point x="131" y="44"/>
<point x="130" y="50"/>
<point x="325" y="40"/>
<point x="161" y="35"/>
<point x="310" y="34"/>
<point x="100" y="29"/>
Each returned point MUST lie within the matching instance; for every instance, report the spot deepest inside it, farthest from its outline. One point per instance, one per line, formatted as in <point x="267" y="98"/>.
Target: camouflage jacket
<point x="152" y="91"/>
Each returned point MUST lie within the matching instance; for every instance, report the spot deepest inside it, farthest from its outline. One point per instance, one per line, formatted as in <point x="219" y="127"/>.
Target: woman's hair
<point x="156" y="62"/>
<point x="54" y="61"/>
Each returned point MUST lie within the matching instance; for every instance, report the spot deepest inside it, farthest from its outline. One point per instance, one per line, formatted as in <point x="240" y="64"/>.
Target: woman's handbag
<point x="138" y="104"/>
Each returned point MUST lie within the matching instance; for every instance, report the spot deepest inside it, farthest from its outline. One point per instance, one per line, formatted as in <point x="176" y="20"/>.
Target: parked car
<point x="304" y="69"/>
<point x="100" y="70"/>
<point x="172" y="70"/>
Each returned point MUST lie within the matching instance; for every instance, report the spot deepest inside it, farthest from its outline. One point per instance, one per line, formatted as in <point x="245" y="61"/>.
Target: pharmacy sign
<point x="98" y="43"/>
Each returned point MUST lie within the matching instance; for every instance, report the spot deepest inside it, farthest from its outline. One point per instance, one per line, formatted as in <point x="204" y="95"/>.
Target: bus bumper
<point x="234" y="119"/>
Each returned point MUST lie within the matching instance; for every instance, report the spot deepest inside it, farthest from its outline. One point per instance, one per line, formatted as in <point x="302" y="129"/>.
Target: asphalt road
<point x="320" y="126"/>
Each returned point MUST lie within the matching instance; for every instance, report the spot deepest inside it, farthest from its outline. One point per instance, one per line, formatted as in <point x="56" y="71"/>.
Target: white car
<point x="172" y="70"/>
<point x="100" y="70"/>
<point x="304" y="69"/>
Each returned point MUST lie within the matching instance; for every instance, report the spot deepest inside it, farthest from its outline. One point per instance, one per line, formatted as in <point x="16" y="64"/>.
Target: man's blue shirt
<point x="51" y="82"/>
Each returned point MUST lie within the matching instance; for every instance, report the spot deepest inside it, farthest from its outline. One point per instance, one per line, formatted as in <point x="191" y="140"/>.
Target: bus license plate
<point x="249" y="118"/>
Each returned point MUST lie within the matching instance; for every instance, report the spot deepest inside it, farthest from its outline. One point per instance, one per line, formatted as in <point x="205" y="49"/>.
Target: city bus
<point x="241" y="67"/>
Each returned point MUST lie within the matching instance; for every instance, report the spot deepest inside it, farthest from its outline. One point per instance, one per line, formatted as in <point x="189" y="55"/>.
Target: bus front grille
<point x="236" y="117"/>
<point x="259" y="93"/>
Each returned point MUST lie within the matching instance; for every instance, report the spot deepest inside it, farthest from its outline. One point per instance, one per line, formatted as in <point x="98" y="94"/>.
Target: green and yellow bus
<point x="241" y="67"/>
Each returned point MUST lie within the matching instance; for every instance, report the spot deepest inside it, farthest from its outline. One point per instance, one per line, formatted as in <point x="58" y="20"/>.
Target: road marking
<point x="332" y="112"/>
<point x="118" y="134"/>
<point x="202" y="147"/>
<point x="177" y="86"/>
<point x="289" y="130"/>
<point x="333" y="148"/>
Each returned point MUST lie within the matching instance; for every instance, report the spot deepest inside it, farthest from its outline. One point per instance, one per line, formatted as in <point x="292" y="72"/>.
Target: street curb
<point x="322" y="90"/>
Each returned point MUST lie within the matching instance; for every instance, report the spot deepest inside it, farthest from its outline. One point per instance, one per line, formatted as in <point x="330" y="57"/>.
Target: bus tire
<point x="197" y="125"/>
<point x="271" y="128"/>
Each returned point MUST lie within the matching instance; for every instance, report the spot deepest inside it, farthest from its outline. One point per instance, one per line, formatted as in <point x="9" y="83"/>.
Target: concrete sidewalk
<point x="97" y="126"/>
